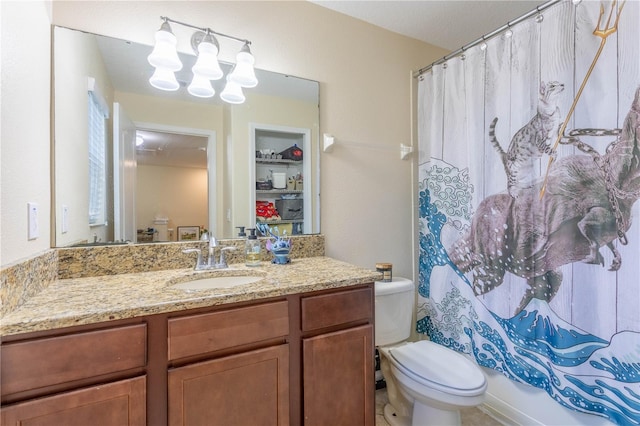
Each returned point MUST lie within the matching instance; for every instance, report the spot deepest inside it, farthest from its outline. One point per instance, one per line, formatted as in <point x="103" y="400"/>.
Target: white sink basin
<point x="216" y="282"/>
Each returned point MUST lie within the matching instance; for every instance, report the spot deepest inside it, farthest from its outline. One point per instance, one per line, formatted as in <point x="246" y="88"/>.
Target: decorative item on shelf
<point x="291" y="184"/>
<point x="266" y="211"/>
<point x="145" y="235"/>
<point x="280" y="246"/>
<point x="265" y="154"/>
<point x="279" y="180"/>
<point x="290" y="209"/>
<point x="164" y="58"/>
<point x="264" y="185"/>
<point x="188" y="233"/>
<point x="292" y="153"/>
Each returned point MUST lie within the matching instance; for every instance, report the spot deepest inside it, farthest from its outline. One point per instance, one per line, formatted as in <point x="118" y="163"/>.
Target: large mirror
<point x="172" y="162"/>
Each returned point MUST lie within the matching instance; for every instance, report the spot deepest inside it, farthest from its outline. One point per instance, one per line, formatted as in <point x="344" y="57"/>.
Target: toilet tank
<point x="394" y="302"/>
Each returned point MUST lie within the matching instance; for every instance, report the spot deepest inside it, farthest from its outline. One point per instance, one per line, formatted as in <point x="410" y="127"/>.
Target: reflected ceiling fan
<point x="170" y="149"/>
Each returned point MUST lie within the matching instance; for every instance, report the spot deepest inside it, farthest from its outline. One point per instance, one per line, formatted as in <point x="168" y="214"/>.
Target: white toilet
<point x="427" y="383"/>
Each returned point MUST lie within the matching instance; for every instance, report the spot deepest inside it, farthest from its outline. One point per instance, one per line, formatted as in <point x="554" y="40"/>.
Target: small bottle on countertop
<point x="252" y="249"/>
<point x="386" y="270"/>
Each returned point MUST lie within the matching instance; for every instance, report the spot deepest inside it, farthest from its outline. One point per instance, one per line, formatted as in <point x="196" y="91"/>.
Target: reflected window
<point x="98" y="114"/>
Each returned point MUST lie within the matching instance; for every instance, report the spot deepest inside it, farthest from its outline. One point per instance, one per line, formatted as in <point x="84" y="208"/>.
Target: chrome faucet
<point x="211" y="260"/>
<point x="210" y="263"/>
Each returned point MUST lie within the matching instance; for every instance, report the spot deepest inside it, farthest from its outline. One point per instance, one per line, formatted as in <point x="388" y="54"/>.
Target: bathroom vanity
<point x="294" y="348"/>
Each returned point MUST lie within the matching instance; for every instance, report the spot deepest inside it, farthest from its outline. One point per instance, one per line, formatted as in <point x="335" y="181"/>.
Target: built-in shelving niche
<point x="278" y="139"/>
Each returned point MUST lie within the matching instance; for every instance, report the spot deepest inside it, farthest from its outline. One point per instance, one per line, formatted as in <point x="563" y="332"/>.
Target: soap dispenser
<point x="252" y="249"/>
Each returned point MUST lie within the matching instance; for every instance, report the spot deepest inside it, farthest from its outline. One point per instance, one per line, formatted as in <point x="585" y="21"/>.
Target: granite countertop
<point x="79" y="301"/>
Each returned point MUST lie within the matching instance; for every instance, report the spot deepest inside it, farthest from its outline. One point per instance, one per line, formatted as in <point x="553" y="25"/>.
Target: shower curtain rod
<point x="486" y="37"/>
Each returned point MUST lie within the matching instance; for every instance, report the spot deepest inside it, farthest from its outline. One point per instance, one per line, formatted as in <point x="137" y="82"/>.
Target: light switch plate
<point x="65" y="219"/>
<point x="33" y="220"/>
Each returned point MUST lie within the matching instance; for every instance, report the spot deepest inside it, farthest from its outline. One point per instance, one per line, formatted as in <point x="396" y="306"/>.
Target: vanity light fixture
<point x="232" y="92"/>
<point x="164" y="58"/>
<point x="164" y="79"/>
<point x="243" y="73"/>
<point x="164" y="54"/>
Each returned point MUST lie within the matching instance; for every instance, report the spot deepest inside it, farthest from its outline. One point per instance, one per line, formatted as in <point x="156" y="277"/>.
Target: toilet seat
<point x="439" y="368"/>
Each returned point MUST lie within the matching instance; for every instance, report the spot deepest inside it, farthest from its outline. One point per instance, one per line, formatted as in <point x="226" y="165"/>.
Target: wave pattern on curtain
<point x="544" y="289"/>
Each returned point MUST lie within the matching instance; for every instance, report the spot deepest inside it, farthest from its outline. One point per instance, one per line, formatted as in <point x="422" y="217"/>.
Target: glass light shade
<point x="164" y="79"/>
<point x="243" y="73"/>
<point x="232" y="93"/>
<point x="164" y="53"/>
<point x="207" y="64"/>
<point x="201" y="87"/>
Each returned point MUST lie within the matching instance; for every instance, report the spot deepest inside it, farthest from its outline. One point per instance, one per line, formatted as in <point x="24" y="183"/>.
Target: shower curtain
<point x="529" y="220"/>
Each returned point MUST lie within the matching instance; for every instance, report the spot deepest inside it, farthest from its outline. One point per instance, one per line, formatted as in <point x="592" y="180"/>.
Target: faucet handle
<point x="223" y="259"/>
<point x="195" y="250"/>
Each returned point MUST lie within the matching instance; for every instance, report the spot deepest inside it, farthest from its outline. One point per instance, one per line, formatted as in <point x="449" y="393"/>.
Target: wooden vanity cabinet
<point x="249" y="388"/>
<point x="248" y="384"/>
<point x="297" y="359"/>
<point x="338" y="358"/>
<point x="114" y="404"/>
<point x="77" y="378"/>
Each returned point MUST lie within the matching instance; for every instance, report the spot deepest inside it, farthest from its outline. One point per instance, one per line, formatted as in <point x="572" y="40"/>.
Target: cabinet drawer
<point x="51" y="361"/>
<point x="199" y="334"/>
<point x="333" y="309"/>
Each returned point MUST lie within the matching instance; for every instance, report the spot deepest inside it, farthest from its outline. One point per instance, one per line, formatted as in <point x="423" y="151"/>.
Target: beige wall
<point x="25" y="134"/>
<point x="365" y="97"/>
<point x="163" y="191"/>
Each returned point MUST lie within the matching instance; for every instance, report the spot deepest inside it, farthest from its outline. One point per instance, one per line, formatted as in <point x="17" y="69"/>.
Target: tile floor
<point x="470" y="416"/>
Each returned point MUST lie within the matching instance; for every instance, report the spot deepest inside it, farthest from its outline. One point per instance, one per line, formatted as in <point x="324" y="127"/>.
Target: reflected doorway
<point x="174" y="181"/>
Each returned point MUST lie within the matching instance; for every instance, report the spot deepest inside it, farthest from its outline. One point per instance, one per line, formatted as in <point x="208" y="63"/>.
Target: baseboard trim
<point x="506" y="413"/>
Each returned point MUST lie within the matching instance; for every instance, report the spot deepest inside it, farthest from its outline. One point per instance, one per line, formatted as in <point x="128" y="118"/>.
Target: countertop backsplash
<point x="22" y="280"/>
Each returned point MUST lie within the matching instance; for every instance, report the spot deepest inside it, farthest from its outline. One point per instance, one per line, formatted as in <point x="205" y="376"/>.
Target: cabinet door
<point x="114" y="404"/>
<point x="250" y="388"/>
<point x="338" y="377"/>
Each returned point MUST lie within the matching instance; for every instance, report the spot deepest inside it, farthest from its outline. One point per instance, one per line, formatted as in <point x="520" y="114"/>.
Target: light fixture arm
<point x="205" y="30"/>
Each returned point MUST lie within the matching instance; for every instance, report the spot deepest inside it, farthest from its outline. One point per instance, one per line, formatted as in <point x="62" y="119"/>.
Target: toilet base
<point x="393" y="419"/>
<point x="424" y="415"/>
<point x="430" y="415"/>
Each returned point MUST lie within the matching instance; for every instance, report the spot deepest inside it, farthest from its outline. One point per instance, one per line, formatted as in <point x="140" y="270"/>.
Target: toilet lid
<point x="436" y="364"/>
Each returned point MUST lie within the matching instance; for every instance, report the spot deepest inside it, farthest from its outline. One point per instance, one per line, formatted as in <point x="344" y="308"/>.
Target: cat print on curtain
<point x="529" y="181"/>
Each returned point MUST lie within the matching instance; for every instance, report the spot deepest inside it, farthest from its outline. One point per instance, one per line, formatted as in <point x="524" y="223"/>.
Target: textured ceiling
<point x="447" y="24"/>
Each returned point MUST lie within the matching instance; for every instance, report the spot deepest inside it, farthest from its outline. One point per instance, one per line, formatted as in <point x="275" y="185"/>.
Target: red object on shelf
<point x="266" y="210"/>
